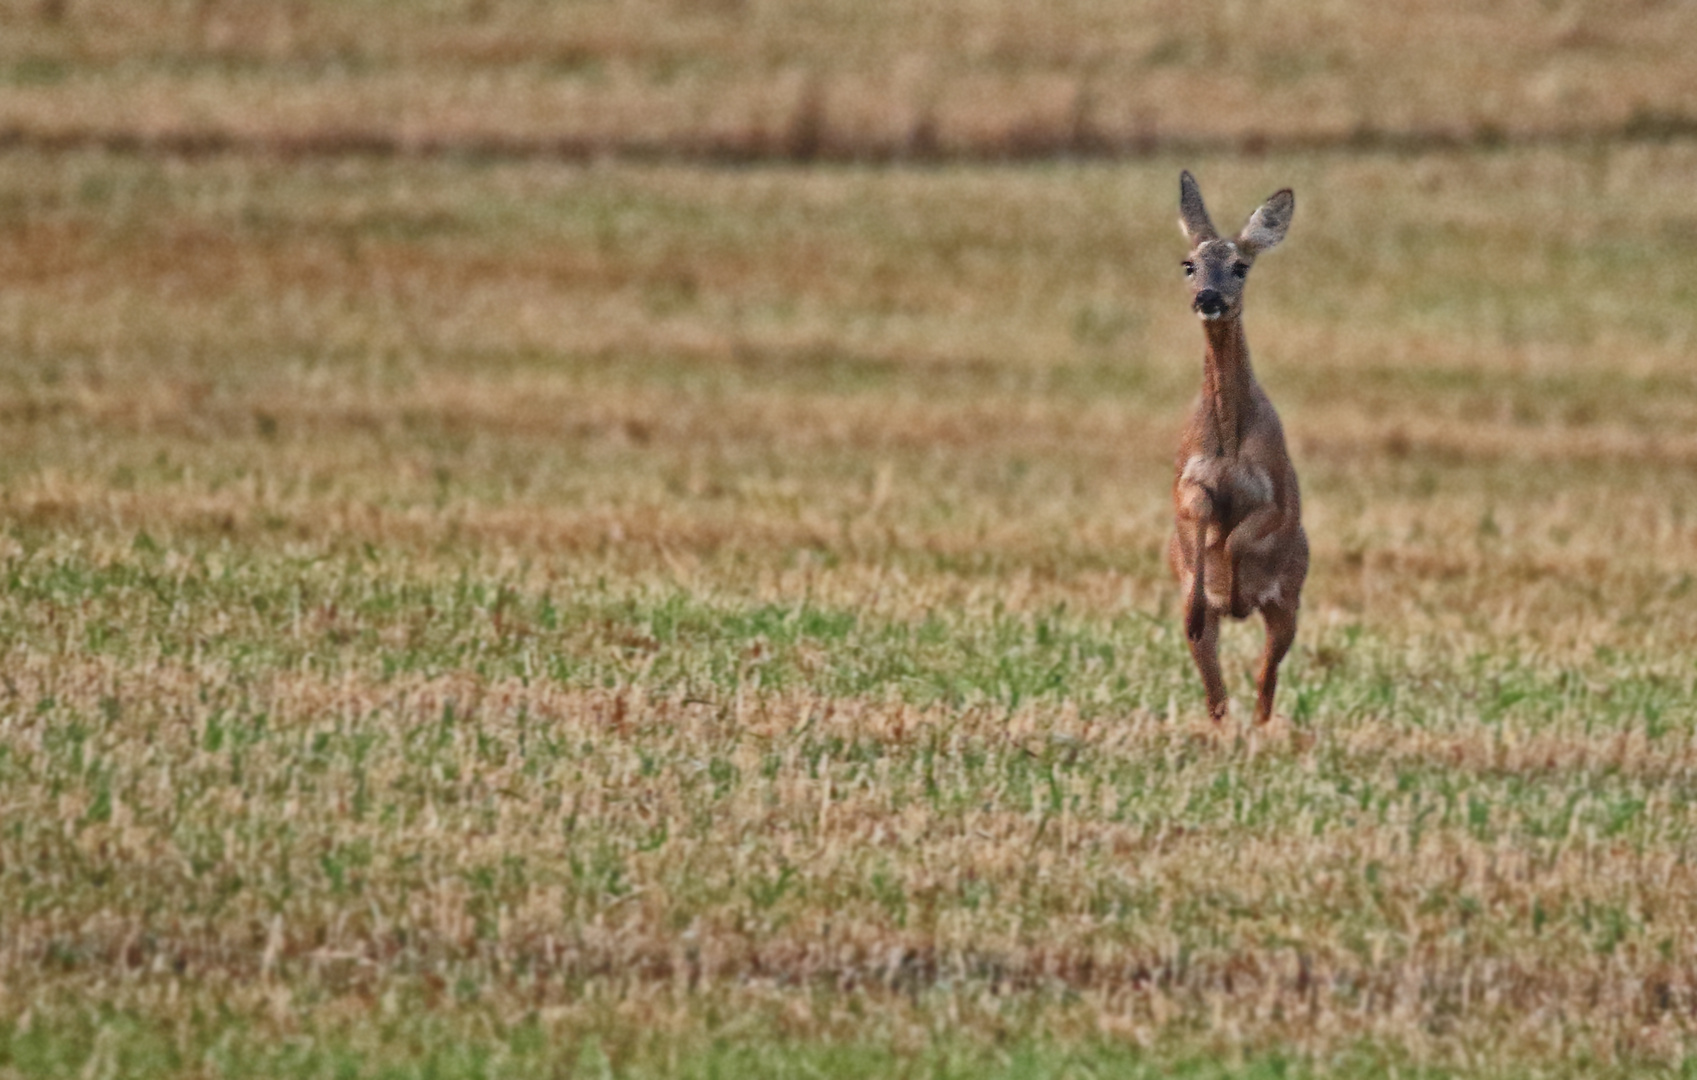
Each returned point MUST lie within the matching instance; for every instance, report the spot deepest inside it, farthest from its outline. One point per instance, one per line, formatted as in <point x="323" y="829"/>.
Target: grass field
<point x="839" y="79"/>
<point x="486" y="616"/>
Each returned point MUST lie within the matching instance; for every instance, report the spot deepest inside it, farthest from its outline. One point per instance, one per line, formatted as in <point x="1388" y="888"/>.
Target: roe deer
<point x="1238" y="544"/>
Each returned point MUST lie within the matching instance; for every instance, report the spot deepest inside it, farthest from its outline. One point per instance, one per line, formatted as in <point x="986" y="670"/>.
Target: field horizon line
<point x="807" y="139"/>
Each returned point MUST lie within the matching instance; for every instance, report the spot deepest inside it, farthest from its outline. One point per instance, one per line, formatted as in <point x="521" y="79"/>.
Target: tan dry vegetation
<point x="677" y="604"/>
<point x="1269" y="927"/>
<point x="836" y="78"/>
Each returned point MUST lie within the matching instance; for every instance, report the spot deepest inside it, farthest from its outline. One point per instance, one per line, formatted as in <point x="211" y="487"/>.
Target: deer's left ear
<point x="1268" y="225"/>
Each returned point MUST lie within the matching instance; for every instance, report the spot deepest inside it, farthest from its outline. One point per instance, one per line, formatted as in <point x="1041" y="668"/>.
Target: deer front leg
<point x="1220" y="490"/>
<point x="1249" y="540"/>
<point x="1196" y="611"/>
<point x="1198" y="497"/>
<point x="1253" y="531"/>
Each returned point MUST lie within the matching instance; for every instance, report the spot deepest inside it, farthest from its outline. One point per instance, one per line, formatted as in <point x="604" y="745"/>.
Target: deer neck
<point x="1226" y="382"/>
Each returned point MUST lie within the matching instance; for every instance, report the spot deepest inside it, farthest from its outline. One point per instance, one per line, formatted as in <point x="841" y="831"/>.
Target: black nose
<point x="1209" y="302"/>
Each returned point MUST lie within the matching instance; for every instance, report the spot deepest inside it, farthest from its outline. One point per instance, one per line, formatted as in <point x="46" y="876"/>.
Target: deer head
<point x="1217" y="268"/>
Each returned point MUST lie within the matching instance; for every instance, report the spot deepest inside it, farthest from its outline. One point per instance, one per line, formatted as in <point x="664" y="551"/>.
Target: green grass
<point x="529" y="1050"/>
<point x="474" y="618"/>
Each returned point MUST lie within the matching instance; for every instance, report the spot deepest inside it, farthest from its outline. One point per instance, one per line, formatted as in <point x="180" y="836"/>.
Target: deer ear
<point x="1267" y="226"/>
<point x="1192" y="215"/>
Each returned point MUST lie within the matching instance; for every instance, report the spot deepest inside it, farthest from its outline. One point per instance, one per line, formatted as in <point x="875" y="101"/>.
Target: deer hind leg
<point x="1205" y="650"/>
<point x="1281" y="631"/>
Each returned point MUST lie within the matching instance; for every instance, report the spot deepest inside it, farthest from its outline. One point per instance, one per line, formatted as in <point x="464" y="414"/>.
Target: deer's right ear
<point x="1192" y="215"/>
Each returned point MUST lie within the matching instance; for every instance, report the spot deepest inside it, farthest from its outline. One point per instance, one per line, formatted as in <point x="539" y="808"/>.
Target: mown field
<point x="839" y="79"/>
<point x="478" y="614"/>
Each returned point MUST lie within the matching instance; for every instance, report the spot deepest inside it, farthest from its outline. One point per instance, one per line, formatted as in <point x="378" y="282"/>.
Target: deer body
<point x="1238" y="546"/>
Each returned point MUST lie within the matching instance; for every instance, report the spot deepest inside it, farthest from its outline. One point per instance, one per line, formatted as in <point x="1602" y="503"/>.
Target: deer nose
<point x="1209" y="302"/>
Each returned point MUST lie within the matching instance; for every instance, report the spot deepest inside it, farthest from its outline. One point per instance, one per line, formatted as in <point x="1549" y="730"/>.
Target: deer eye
<point x="1189" y="268"/>
<point x="1240" y="270"/>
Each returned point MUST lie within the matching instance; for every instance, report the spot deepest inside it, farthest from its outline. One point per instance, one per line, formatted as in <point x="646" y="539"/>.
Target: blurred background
<point x="841" y="80"/>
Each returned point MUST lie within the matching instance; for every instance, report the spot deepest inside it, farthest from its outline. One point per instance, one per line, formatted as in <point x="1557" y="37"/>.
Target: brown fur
<point x="1238" y="545"/>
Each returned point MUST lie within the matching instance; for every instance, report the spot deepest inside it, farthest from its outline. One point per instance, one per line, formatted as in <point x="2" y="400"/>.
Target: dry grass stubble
<point x="643" y="601"/>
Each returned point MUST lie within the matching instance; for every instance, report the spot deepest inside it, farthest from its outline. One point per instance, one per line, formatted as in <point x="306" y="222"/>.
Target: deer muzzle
<point x="1209" y="304"/>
